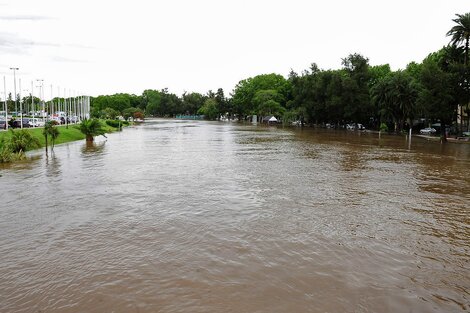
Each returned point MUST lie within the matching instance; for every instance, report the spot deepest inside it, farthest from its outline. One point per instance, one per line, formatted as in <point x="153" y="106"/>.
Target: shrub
<point x="5" y="153"/>
<point x="383" y="127"/>
<point x="22" y="140"/>
<point x="114" y="123"/>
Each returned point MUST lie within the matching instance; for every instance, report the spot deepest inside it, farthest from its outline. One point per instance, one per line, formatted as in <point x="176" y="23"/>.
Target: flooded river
<point x="180" y="216"/>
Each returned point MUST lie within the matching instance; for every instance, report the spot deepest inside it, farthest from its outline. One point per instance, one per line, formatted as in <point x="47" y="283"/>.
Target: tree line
<point x="435" y="90"/>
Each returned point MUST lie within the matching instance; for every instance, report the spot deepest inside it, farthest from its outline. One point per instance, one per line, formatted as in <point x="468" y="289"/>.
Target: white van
<point x="35" y="122"/>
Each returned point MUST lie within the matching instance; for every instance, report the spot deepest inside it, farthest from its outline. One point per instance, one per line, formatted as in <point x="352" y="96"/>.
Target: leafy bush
<point x="114" y="123"/>
<point x="14" y="149"/>
<point x="5" y="153"/>
<point x="383" y="127"/>
<point x="22" y="140"/>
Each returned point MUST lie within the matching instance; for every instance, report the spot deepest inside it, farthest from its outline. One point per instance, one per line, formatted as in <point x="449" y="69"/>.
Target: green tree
<point x="223" y="104"/>
<point x="192" y="102"/>
<point x="111" y="113"/>
<point x="91" y="128"/>
<point x="461" y="33"/>
<point x="355" y="89"/>
<point x="209" y="109"/>
<point x="395" y="97"/>
<point x="246" y="89"/>
<point x="437" y="95"/>
<point x="153" y="100"/>
<point x="129" y="113"/>
<point x="268" y="102"/>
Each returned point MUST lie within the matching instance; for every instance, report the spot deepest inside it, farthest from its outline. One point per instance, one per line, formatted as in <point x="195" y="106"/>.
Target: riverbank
<point x="431" y="138"/>
<point x="463" y="140"/>
<point x="66" y="133"/>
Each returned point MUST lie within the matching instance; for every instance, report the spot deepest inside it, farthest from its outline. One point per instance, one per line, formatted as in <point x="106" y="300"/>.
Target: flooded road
<point x="179" y="216"/>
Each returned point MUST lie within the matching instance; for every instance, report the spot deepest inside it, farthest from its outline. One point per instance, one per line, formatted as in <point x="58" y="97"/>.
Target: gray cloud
<point x="24" y="18"/>
<point x="67" y="60"/>
<point x="79" y="46"/>
<point x="13" y="43"/>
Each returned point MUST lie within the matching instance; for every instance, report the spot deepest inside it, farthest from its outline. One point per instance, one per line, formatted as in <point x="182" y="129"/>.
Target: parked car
<point x="35" y="122"/>
<point x="427" y="131"/>
<point x="17" y="123"/>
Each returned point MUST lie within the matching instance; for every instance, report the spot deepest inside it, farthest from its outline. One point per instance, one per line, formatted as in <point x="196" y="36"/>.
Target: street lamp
<point x="14" y="88"/>
<point x="41" y="98"/>
<point x="25" y="102"/>
<point x="6" y="104"/>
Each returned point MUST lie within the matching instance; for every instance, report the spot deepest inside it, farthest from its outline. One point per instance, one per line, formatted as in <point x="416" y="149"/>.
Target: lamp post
<point x="41" y="98"/>
<point x="25" y="102"/>
<point x="14" y="87"/>
<point x="32" y="101"/>
<point x="52" y="103"/>
<point x="6" y="105"/>
<point x="21" y="108"/>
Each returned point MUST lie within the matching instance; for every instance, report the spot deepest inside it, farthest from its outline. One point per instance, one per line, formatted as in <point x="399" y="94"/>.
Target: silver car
<point x="427" y="131"/>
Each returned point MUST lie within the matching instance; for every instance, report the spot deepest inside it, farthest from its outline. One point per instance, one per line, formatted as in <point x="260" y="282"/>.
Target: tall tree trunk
<point x="443" y="132"/>
<point x="46" y="142"/>
<point x="466" y="50"/>
<point x="461" y="120"/>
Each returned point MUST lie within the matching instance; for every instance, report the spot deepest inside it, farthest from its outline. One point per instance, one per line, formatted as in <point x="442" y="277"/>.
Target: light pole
<point x="6" y="105"/>
<point x="52" y="103"/>
<point x="21" y="108"/>
<point x="32" y="100"/>
<point x="14" y="87"/>
<point x="25" y="102"/>
<point x="41" y="97"/>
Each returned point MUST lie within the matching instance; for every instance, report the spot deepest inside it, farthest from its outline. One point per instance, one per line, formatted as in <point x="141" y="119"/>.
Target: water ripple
<point x="177" y="216"/>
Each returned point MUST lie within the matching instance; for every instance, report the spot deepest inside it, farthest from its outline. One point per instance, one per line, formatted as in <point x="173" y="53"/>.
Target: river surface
<point x="184" y="216"/>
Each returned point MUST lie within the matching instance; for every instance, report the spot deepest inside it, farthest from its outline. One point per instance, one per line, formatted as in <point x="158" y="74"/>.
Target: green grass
<point x="72" y="133"/>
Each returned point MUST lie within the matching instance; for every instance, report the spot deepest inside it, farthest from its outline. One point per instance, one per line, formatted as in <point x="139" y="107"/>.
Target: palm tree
<point x="395" y="96"/>
<point x="52" y="131"/>
<point x="461" y="32"/>
<point x="91" y="128"/>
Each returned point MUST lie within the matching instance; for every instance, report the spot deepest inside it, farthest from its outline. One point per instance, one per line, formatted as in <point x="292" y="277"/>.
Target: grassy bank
<point x="67" y="134"/>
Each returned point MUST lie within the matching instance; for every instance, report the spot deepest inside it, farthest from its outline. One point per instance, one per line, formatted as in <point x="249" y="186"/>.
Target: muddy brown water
<point x="180" y="216"/>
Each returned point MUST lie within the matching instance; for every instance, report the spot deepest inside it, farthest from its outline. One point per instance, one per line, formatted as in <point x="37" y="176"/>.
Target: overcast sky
<point x="104" y="47"/>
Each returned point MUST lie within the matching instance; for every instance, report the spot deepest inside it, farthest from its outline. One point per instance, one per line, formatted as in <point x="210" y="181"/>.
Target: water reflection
<point x="53" y="167"/>
<point x="93" y="147"/>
